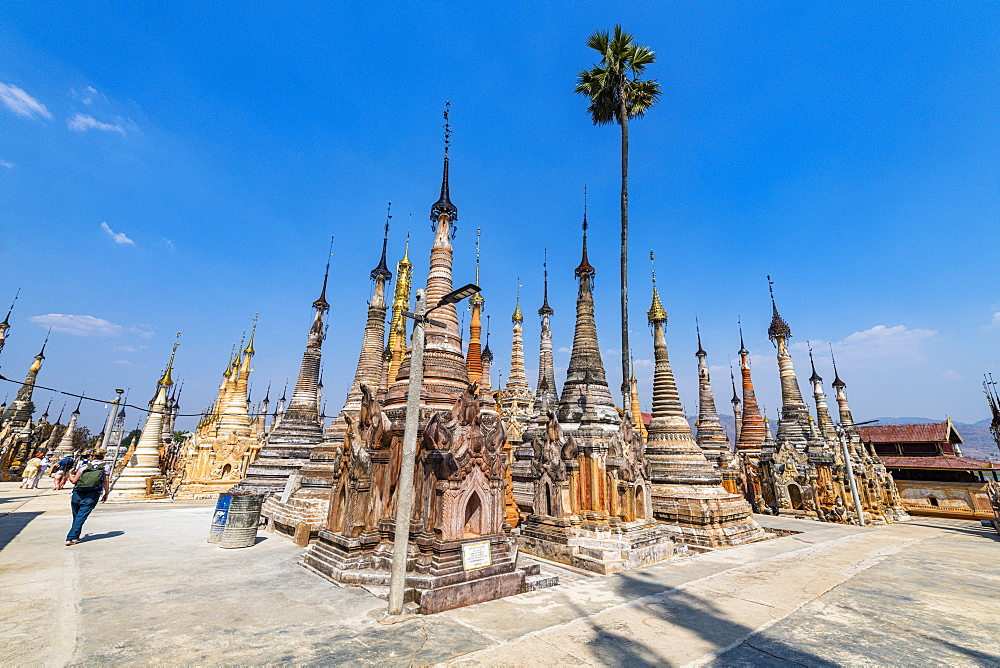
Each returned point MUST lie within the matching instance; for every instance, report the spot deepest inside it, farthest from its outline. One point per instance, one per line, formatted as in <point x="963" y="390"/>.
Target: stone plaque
<point x="476" y="555"/>
<point x="156" y="486"/>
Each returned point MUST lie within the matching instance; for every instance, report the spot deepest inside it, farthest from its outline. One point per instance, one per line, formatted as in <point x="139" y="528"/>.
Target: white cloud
<point x="78" y="325"/>
<point x="169" y="244"/>
<point x="21" y="103"/>
<point x="995" y="322"/>
<point x="10" y="165"/>
<point x="143" y="331"/>
<point x="951" y="376"/>
<point x="82" y="123"/>
<point x="564" y="350"/>
<point x="119" y="237"/>
<point x="879" y="344"/>
<point x="123" y="363"/>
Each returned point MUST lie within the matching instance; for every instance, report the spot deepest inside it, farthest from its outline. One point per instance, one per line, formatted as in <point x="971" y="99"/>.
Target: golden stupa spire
<point x="166" y="380"/>
<point x="656" y="312"/>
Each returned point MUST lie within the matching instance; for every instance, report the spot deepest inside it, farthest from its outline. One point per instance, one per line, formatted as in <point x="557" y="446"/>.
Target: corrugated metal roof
<point x="940" y="462"/>
<point x="932" y="432"/>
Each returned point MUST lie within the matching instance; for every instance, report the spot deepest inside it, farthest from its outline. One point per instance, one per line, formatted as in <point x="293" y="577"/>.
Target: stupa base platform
<point x="706" y="518"/>
<point x="597" y="547"/>
<point x="436" y="578"/>
<point x="300" y="517"/>
<point x="206" y="490"/>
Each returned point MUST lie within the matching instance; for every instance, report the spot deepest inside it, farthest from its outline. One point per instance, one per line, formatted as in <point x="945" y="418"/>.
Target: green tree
<point x="617" y="94"/>
<point x="81" y="439"/>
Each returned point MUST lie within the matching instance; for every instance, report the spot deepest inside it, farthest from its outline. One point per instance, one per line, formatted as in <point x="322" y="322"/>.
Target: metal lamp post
<point x="404" y="503"/>
<point x="112" y="414"/>
<point x="842" y="435"/>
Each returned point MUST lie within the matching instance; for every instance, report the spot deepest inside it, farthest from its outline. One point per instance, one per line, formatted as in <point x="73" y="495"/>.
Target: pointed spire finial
<point x="382" y="270"/>
<point x="478" y="297"/>
<point x="739" y="323"/>
<point x="166" y="380"/>
<point x="518" y="315"/>
<point x="321" y="302"/>
<point x="585" y="266"/>
<point x="41" y="353"/>
<point x="656" y="312"/>
<point x="701" y="351"/>
<point x="6" y="320"/>
<point x="78" y="404"/>
<point x="546" y="309"/>
<point x="732" y="379"/>
<point x="249" y="350"/>
<point x="837" y="382"/>
<point x="487" y="354"/>
<point x="444" y="206"/>
<point x="779" y="328"/>
<point x="815" y="376"/>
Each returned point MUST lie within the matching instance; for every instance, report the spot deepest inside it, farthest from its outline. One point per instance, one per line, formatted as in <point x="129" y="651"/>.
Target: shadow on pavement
<point x="98" y="536"/>
<point x="973" y="528"/>
<point x="698" y="615"/>
<point x="12" y="524"/>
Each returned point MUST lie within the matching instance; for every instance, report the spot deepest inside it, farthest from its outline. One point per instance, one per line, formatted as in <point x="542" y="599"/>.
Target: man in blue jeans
<point x="89" y="482"/>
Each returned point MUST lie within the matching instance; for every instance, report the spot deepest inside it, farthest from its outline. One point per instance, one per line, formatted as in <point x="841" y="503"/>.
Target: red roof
<point x="646" y="418"/>
<point x="933" y="432"/>
<point x="960" y="463"/>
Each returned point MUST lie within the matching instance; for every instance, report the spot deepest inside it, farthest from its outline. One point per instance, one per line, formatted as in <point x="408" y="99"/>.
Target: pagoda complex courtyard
<point x="399" y="335"/>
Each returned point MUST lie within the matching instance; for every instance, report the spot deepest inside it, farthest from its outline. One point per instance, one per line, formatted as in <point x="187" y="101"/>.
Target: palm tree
<point x="617" y="94"/>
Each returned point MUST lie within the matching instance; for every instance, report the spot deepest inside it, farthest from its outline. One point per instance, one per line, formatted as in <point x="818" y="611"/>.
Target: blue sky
<point x="850" y="150"/>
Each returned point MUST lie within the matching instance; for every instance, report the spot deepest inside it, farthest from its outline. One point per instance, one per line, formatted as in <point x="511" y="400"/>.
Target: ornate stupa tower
<point x="752" y="428"/>
<point x="712" y="438"/>
<point x="400" y="303"/>
<point x="16" y="432"/>
<point x="546" y="394"/>
<point x="5" y="325"/>
<point x="517" y="396"/>
<point x="585" y="391"/>
<point x="486" y="383"/>
<point x="144" y="464"/>
<point x="793" y="425"/>
<point x="752" y="432"/>
<point x="65" y="446"/>
<point x="584" y="464"/>
<point x="302" y="508"/>
<point x="636" y="409"/>
<point x="687" y="490"/>
<point x="225" y="442"/>
<point x="300" y="429"/>
<point x="474" y="355"/>
<point x="459" y="472"/>
<point x="735" y="401"/>
<point x="823" y="420"/>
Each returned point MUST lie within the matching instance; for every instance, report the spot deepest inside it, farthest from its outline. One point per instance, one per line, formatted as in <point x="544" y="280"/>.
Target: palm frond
<point x="617" y="77"/>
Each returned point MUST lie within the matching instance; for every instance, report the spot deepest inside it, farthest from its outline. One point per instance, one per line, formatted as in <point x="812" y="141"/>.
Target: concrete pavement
<point x="144" y="588"/>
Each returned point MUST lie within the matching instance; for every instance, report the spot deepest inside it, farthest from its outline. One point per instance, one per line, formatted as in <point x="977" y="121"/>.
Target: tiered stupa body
<point x="302" y="508"/>
<point x="459" y="476"/>
<point x="65" y="446"/>
<point x="16" y="429"/>
<point x="225" y="442"/>
<point x="591" y="504"/>
<point x="687" y="490"/>
<point x="712" y="438"/>
<point x="750" y="440"/>
<point x="132" y="484"/>
<point x="300" y="428"/>
<point x="787" y="472"/>
<point x="516" y="397"/>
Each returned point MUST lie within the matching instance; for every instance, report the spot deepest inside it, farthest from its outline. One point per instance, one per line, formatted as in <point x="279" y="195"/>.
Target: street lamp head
<point x="456" y="296"/>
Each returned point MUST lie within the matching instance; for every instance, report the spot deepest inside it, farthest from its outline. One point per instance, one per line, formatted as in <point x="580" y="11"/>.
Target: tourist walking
<point x="42" y="468"/>
<point x="32" y="468"/>
<point x="90" y="484"/>
<point x="63" y="468"/>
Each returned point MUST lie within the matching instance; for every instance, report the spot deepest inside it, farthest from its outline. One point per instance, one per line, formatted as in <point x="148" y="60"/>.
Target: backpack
<point x="92" y="477"/>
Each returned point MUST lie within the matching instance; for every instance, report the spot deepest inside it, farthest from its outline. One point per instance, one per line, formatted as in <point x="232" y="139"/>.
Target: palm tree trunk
<point x="626" y="356"/>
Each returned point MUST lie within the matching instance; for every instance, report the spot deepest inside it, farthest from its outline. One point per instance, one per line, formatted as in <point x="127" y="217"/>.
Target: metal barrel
<point x="219" y="518"/>
<point x="244" y="517"/>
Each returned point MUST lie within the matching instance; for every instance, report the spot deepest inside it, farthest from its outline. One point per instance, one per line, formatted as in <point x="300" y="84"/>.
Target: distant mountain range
<point x="977" y="441"/>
